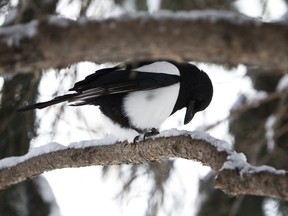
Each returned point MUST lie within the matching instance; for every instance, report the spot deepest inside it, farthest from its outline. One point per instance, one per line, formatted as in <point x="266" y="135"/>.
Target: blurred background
<point x="248" y="110"/>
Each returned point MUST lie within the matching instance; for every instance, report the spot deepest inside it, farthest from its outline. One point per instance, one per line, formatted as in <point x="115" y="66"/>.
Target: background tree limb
<point x="209" y="151"/>
<point x="210" y="36"/>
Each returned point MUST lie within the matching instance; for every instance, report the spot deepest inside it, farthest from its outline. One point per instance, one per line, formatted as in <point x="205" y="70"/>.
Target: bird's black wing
<point x="109" y="81"/>
<point x="120" y="81"/>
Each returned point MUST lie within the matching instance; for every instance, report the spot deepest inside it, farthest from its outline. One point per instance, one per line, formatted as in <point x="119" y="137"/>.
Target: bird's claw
<point x="142" y="137"/>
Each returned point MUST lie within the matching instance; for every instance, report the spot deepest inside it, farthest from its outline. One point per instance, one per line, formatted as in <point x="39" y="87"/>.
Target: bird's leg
<point x="143" y="136"/>
<point x="139" y="138"/>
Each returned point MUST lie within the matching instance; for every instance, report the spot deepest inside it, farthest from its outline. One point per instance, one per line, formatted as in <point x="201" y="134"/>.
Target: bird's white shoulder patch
<point x="160" y="67"/>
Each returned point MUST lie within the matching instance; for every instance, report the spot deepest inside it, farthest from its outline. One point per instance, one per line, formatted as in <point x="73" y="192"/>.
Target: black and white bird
<point x="141" y="96"/>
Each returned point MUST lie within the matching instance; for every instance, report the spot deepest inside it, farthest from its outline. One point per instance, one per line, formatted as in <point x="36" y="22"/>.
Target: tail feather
<point x="42" y="105"/>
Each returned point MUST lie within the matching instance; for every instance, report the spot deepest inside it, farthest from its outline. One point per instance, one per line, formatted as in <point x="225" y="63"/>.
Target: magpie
<point x="141" y="95"/>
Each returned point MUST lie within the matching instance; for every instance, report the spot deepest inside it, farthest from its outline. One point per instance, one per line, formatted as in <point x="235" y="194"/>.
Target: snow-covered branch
<point x="234" y="175"/>
<point x="238" y="177"/>
<point x="208" y="36"/>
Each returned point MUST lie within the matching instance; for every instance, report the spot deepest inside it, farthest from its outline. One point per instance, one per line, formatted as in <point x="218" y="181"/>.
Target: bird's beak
<point x="190" y="112"/>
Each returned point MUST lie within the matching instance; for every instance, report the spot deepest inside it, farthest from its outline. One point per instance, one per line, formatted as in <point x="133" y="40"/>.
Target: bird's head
<point x="200" y="97"/>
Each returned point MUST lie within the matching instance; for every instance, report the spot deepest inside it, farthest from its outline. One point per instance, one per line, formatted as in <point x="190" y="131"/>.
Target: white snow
<point x="195" y="15"/>
<point x="257" y="96"/>
<point x="60" y="21"/>
<point x="1" y="83"/>
<point x="13" y="161"/>
<point x="89" y="143"/>
<point x="48" y="196"/>
<point x="274" y="9"/>
<point x="283" y="83"/>
<point x="238" y="161"/>
<point x="14" y="34"/>
<point x="235" y="160"/>
<point x="172" y="132"/>
<point x="69" y="9"/>
<point x="269" y="126"/>
<point x="53" y="147"/>
<point x="219" y="144"/>
<point x="153" y="5"/>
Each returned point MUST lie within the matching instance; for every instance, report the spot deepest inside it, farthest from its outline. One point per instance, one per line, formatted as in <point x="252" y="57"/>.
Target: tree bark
<point x="209" y="36"/>
<point x="234" y="181"/>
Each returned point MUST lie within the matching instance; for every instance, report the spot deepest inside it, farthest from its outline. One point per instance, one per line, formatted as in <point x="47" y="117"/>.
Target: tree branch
<point x="235" y="176"/>
<point x="208" y="36"/>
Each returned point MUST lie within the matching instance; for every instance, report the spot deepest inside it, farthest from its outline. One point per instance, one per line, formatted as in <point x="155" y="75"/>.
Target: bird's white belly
<point x="148" y="109"/>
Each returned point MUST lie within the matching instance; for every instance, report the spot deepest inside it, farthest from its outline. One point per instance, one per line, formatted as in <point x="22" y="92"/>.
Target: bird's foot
<point x="143" y="136"/>
<point x="151" y="133"/>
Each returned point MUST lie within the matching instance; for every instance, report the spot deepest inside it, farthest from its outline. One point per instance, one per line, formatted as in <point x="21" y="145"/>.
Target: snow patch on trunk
<point x="13" y="35"/>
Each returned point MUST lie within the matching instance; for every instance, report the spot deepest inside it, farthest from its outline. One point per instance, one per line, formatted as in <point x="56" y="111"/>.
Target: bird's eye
<point x="201" y="103"/>
<point x="200" y="98"/>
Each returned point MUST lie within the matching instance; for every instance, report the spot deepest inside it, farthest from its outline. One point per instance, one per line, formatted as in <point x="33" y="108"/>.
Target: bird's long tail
<point x="42" y="105"/>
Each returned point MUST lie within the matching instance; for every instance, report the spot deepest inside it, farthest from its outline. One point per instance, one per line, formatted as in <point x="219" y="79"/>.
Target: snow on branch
<point x="208" y="36"/>
<point x="234" y="175"/>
